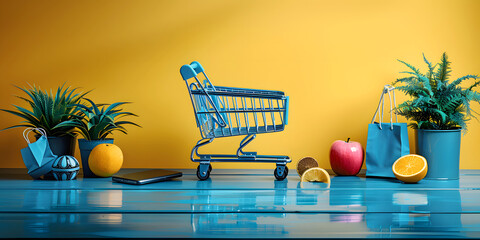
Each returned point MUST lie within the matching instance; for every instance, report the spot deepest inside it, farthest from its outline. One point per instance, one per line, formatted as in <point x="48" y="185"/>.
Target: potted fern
<point x="53" y="113"/>
<point x="95" y="123"/>
<point x="439" y="110"/>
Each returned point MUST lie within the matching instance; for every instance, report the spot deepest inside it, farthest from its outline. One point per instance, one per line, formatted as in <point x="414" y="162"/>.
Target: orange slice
<point x="306" y="163"/>
<point x="410" y="168"/>
<point x="316" y="174"/>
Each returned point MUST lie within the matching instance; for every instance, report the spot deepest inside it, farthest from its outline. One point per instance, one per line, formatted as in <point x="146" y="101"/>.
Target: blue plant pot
<point x="441" y="148"/>
<point x="86" y="147"/>
<point x="64" y="145"/>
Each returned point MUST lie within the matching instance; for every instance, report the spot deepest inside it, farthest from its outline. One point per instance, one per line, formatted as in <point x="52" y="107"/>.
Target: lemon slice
<point x="306" y="163"/>
<point x="410" y="168"/>
<point x="316" y="174"/>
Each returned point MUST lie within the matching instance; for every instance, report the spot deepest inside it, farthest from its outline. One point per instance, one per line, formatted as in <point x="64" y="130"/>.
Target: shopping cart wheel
<point x="280" y="172"/>
<point x="202" y="174"/>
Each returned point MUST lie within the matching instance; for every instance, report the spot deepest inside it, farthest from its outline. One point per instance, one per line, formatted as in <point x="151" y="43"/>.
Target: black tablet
<point x="144" y="177"/>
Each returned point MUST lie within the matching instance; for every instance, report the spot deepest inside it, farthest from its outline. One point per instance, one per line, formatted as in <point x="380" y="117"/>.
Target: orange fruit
<point x="105" y="159"/>
<point x="316" y="174"/>
<point x="410" y="168"/>
<point x="306" y="163"/>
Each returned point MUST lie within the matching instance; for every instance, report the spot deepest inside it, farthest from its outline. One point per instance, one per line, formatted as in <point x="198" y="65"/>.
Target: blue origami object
<point x="37" y="156"/>
<point x="65" y="168"/>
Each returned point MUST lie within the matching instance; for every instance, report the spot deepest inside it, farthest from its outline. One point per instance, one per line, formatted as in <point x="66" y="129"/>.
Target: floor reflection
<point x="224" y="220"/>
<point x="373" y="206"/>
<point x="347" y="218"/>
<point x="109" y="218"/>
<point x="392" y="205"/>
<point x="62" y="202"/>
<point x="51" y="200"/>
<point x="308" y="194"/>
<point x="352" y="198"/>
<point x="105" y="198"/>
<point x="419" y="208"/>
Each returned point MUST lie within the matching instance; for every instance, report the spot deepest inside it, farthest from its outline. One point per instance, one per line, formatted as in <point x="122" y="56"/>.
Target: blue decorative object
<point x="227" y="112"/>
<point x="37" y="156"/>
<point x="65" y="168"/>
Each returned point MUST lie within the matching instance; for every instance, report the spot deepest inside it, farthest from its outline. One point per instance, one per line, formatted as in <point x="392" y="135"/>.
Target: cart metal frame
<point x="227" y="111"/>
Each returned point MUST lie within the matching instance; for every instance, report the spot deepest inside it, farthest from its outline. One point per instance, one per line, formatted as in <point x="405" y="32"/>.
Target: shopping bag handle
<point x="27" y="131"/>
<point x="386" y="90"/>
<point x="191" y="71"/>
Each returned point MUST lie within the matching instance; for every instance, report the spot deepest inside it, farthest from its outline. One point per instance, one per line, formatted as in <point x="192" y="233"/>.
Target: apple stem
<point x="348" y="140"/>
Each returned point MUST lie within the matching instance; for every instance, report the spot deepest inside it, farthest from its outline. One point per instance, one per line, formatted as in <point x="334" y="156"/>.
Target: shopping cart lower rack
<point x="228" y="111"/>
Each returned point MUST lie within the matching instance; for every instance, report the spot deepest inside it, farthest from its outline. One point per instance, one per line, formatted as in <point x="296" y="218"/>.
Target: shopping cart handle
<point x="197" y="67"/>
<point x="191" y="70"/>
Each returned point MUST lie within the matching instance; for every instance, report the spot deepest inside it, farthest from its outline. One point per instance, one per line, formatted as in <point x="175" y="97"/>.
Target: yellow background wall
<point x="331" y="57"/>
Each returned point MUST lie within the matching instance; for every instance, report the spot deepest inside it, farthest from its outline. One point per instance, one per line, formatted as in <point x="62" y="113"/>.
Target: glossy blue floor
<point x="240" y="204"/>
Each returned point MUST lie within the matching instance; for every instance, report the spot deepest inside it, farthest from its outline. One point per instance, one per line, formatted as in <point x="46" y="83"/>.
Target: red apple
<point x="346" y="157"/>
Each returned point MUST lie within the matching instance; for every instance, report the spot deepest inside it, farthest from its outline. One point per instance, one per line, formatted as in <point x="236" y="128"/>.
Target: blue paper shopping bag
<point x="386" y="142"/>
<point x="37" y="156"/>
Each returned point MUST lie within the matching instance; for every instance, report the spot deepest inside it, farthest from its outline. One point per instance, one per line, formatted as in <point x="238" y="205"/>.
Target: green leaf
<point x="443" y="71"/>
<point x="126" y="122"/>
<point x="69" y="124"/>
<point x="442" y="114"/>
<point x="25" y="111"/>
<point x="99" y="128"/>
<point x="113" y="106"/>
<point x="415" y="70"/>
<point x="461" y="79"/>
<point x="430" y="67"/>
<point x="57" y="95"/>
<point x="17" y="126"/>
<point x="27" y="117"/>
<point x="26" y="100"/>
<point x="436" y="104"/>
<point x="94" y="107"/>
<point x="66" y="111"/>
<point x="48" y="109"/>
<point x="420" y="123"/>
<point x="477" y="83"/>
<point x="26" y="91"/>
<point x="123" y="114"/>
<point x="101" y="123"/>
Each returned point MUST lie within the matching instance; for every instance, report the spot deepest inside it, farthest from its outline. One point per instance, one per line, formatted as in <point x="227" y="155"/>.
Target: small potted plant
<point x="95" y="125"/>
<point x="53" y="113"/>
<point x="439" y="110"/>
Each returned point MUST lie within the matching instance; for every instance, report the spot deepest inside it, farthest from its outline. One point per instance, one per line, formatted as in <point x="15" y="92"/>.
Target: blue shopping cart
<point x="228" y="111"/>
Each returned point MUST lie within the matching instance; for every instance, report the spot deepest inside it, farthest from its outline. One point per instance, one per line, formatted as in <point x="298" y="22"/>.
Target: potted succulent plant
<point x="53" y="113"/>
<point x="95" y="125"/>
<point x="439" y="110"/>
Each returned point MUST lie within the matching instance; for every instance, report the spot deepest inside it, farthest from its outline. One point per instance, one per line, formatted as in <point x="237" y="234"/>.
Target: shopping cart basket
<point x="228" y="111"/>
